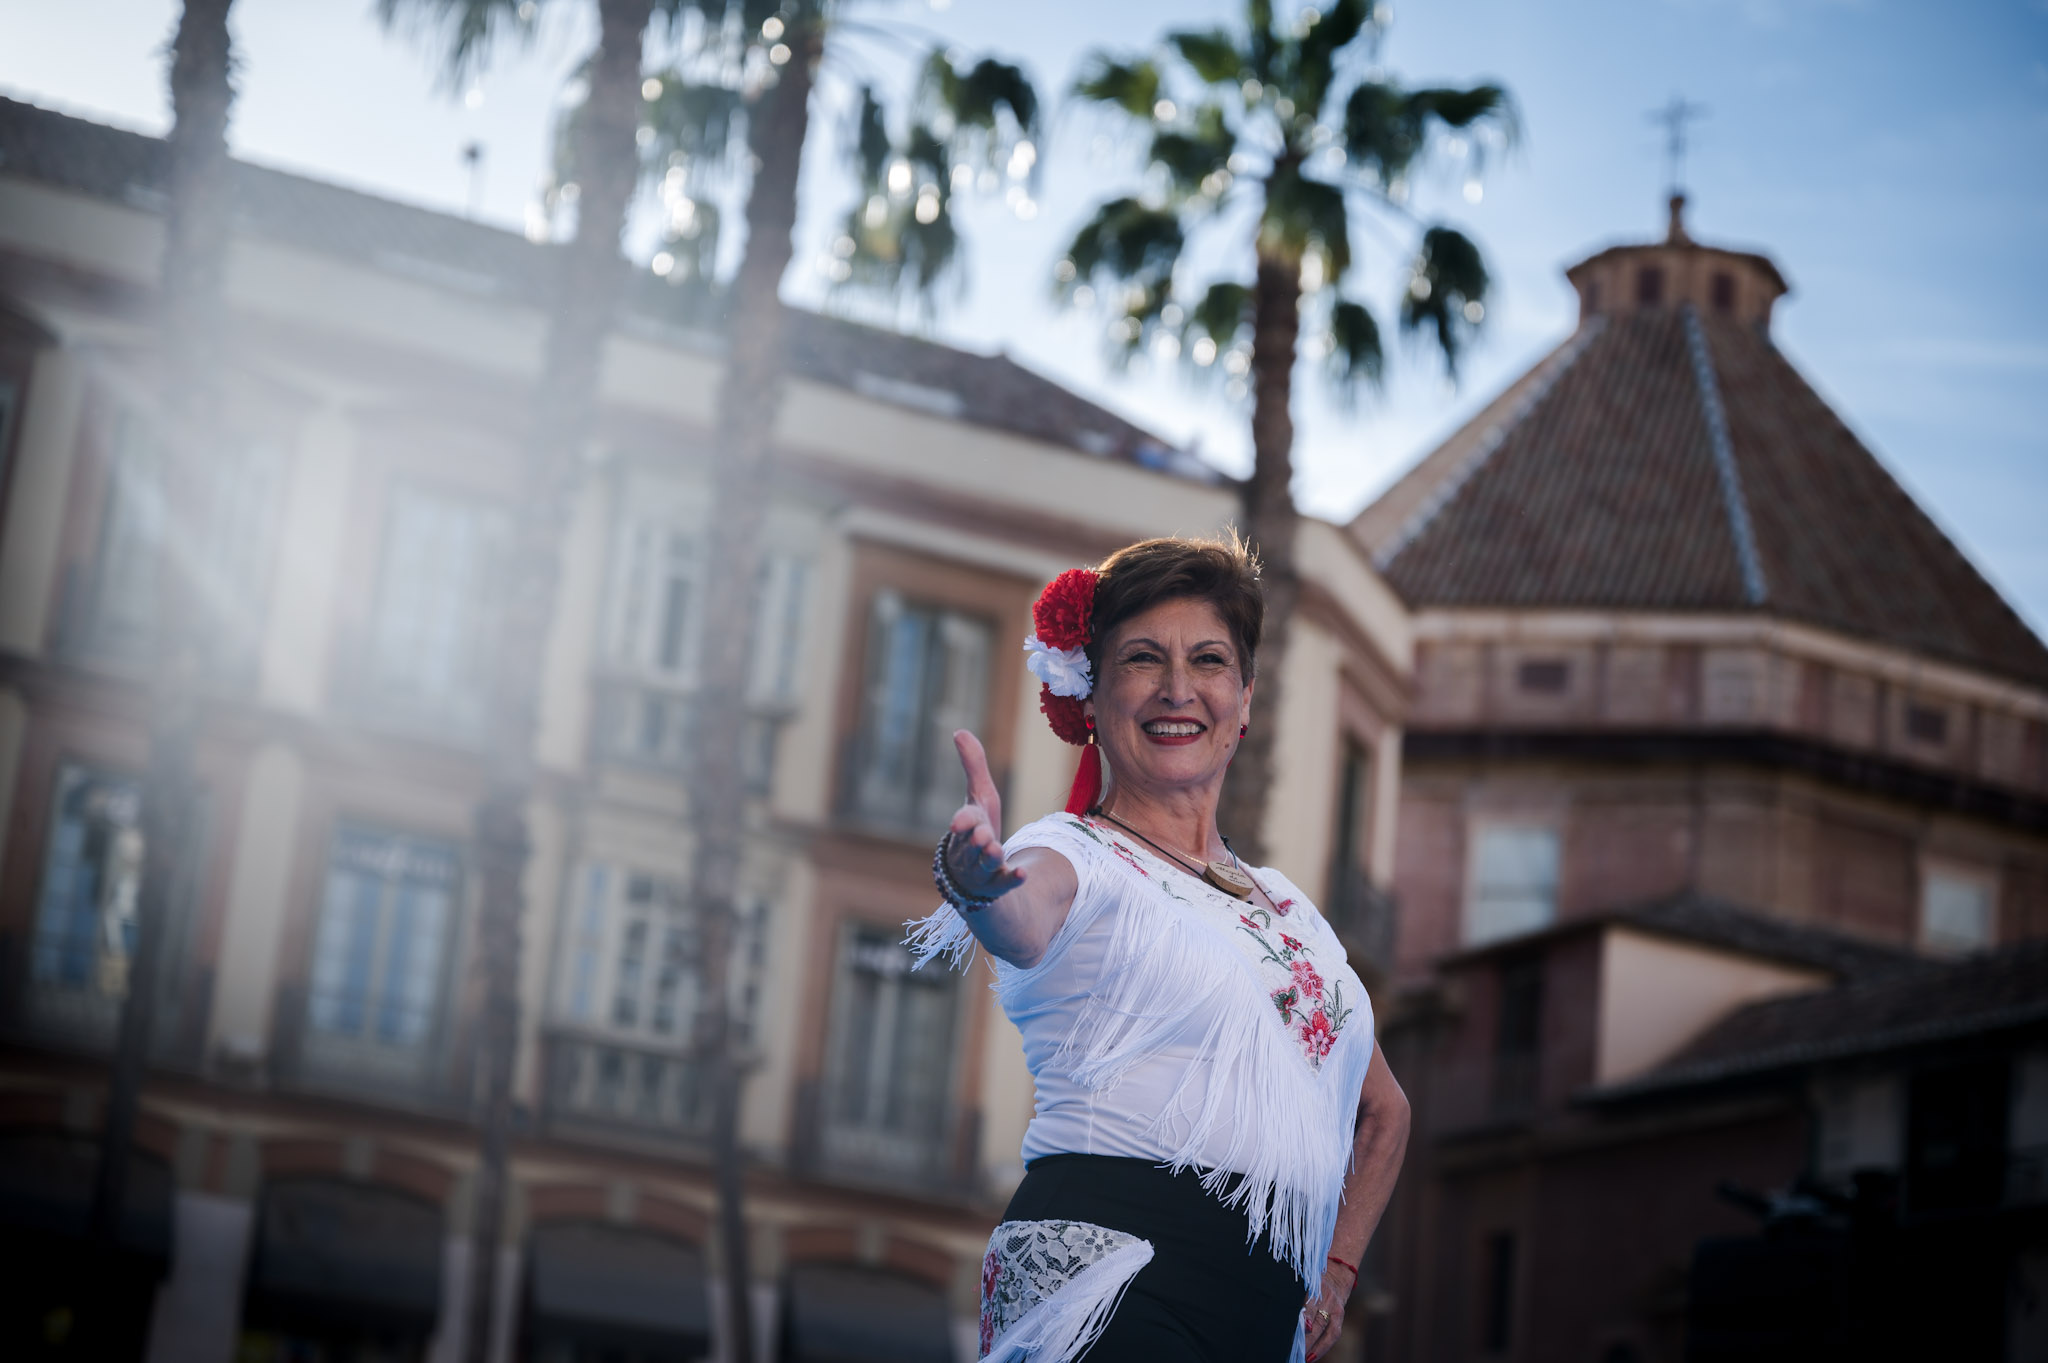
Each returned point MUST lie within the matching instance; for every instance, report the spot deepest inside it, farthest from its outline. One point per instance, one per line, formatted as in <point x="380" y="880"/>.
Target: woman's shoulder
<point x="1288" y="897"/>
<point x="1060" y="831"/>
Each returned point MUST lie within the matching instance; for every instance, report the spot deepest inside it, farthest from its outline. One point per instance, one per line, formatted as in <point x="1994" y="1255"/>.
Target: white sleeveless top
<point x="1168" y="1021"/>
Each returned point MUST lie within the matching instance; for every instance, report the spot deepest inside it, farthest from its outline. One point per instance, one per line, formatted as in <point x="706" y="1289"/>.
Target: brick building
<point x="307" y="1142"/>
<point x="1708" y="714"/>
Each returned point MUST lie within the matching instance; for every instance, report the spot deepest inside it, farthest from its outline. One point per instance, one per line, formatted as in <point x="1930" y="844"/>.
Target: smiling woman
<point x="1203" y="1052"/>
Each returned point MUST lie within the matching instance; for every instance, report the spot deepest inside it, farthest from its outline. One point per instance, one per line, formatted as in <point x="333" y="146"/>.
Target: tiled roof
<point x="1611" y="485"/>
<point x="990" y="390"/>
<point x="1994" y="992"/>
<point x="1713" y="922"/>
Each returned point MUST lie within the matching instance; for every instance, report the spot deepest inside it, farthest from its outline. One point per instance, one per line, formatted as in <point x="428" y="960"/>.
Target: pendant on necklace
<point x="1228" y="879"/>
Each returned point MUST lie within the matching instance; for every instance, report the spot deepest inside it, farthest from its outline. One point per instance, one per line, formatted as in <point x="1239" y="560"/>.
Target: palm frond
<point x="464" y="31"/>
<point x="898" y="254"/>
<point x="1386" y="128"/>
<point x="1264" y="40"/>
<point x="1315" y="62"/>
<point x="1132" y="86"/>
<point x="690" y="239"/>
<point x="1128" y="242"/>
<point x="1211" y="53"/>
<point x="871" y="138"/>
<point x="1383" y="131"/>
<point x="1356" y="359"/>
<point x="1463" y="108"/>
<point x="1195" y="151"/>
<point x="975" y="98"/>
<point x="693" y="124"/>
<point x="1223" y="314"/>
<point x="1446" y="292"/>
<point x="1304" y="214"/>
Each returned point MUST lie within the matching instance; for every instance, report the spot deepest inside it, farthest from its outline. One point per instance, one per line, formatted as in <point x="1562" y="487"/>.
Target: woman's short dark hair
<point x="1221" y="571"/>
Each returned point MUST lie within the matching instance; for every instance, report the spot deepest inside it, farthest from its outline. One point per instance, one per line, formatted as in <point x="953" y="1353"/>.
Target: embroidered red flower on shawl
<point x="1307" y="980"/>
<point x="991" y="1273"/>
<point x="1317" y="1035"/>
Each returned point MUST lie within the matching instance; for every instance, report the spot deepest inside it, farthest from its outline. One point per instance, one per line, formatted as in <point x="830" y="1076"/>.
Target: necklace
<point x="1227" y="876"/>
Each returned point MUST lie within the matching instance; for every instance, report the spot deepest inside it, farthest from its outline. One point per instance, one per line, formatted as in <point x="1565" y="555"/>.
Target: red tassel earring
<point x="1086" y="792"/>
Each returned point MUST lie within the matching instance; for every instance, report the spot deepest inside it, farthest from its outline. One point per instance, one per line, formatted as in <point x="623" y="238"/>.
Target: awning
<point x="836" y="1313"/>
<point x="46" y="1180"/>
<point x="345" y="1255"/>
<point x="612" y="1288"/>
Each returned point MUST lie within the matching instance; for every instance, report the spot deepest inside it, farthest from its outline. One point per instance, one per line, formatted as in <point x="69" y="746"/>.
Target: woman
<point x="1216" y="1134"/>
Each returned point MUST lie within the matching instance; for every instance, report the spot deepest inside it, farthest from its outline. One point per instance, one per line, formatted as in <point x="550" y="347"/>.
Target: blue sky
<point x="1892" y="157"/>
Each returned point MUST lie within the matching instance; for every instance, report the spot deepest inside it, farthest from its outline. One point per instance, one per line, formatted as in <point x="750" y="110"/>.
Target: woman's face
<point x="1170" y="698"/>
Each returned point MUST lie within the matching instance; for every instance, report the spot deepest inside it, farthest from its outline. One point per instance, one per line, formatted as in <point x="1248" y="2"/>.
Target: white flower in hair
<point x="1064" y="670"/>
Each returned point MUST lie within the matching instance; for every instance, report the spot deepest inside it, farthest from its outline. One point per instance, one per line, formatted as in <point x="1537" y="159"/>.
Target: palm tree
<point x="193" y="342"/>
<point x="741" y="99"/>
<point x="1284" y="132"/>
<point x="734" y="107"/>
<point x="588" y="281"/>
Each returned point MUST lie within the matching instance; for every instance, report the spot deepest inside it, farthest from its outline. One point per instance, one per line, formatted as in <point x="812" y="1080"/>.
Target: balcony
<point x="595" y="1082"/>
<point x="935" y="1161"/>
<point x="651" y="724"/>
<point x="1364" y="917"/>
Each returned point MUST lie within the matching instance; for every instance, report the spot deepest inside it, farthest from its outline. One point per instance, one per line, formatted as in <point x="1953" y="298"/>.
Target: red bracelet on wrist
<point x="1353" y="1267"/>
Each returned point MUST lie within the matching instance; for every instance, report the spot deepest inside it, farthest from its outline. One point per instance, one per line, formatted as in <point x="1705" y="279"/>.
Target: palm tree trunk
<point x="747" y="407"/>
<point x="1270" y="521"/>
<point x="193" y="344"/>
<point x="590" y="280"/>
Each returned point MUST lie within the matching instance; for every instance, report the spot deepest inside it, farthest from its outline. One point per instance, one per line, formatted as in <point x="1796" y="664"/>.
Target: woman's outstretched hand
<point x="974" y="846"/>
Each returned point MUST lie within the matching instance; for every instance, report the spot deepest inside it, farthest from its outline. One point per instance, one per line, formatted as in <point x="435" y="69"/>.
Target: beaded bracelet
<point x="948" y="888"/>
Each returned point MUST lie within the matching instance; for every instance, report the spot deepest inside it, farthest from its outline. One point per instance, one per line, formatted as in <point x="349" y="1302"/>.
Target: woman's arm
<point x="1376" y="1151"/>
<point x="1037" y="886"/>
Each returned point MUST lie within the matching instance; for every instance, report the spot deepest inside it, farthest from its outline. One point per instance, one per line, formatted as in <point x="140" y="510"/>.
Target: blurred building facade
<point x="307" y="1143"/>
<point x="1708" y="714"/>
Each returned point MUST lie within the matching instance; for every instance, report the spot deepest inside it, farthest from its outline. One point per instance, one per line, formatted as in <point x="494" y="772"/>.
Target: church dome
<point x="1668" y="457"/>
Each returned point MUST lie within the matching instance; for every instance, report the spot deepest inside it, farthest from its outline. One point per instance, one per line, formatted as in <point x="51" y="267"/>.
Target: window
<point x="1514" y="882"/>
<point x="234" y="513"/>
<point x="1649" y="286"/>
<point x="645" y="706"/>
<point x="890" y="1076"/>
<point x="1497" y="1307"/>
<point x="1926" y="724"/>
<point x="92" y="873"/>
<point x="239" y="509"/>
<point x="1544" y="676"/>
<point x="654" y="607"/>
<point x="628" y="995"/>
<point x="1956" y="913"/>
<point x="1518" y="1036"/>
<point x="1348" y="884"/>
<point x="1723" y="291"/>
<point x="380" y="954"/>
<point x="1859" y="1123"/>
<point x="131" y="537"/>
<point x="927" y="675"/>
<point x="430" y="637"/>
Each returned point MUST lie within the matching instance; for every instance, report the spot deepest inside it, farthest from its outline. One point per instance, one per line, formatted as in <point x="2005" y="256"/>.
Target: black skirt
<point x="1210" y="1295"/>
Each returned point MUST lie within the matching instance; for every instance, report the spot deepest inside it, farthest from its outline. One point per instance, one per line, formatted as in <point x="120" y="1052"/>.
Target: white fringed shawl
<point x="1178" y="962"/>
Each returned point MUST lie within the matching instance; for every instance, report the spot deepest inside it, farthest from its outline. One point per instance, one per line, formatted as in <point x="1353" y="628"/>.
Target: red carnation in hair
<point x="1064" y="713"/>
<point x="1065" y="611"/>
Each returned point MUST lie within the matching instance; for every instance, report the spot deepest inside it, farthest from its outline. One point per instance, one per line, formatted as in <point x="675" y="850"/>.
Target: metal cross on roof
<point x="1673" y="118"/>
